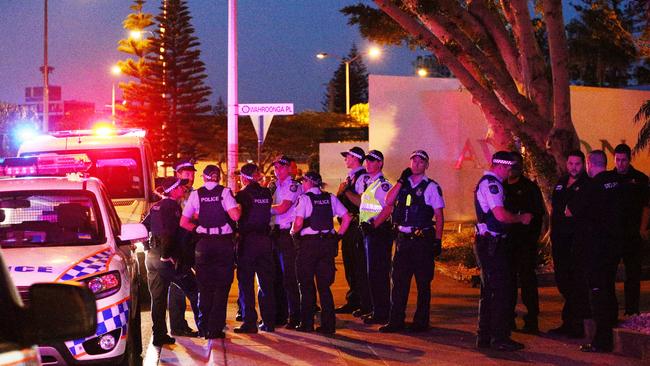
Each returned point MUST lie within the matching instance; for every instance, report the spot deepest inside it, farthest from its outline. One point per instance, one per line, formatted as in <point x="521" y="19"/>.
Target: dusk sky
<point x="278" y="41"/>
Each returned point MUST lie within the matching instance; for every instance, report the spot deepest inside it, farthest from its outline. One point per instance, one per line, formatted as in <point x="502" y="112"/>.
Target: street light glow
<point x="374" y="52"/>
<point x="423" y="72"/>
<point x="135" y="34"/>
<point x="321" y="55"/>
<point x="116" y="70"/>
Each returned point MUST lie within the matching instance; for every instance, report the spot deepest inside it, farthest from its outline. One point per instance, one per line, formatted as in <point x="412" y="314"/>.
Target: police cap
<point x="421" y="153"/>
<point x="313" y="177"/>
<point x="184" y="164"/>
<point x="375" y="155"/>
<point x="356" y="151"/>
<point x="503" y="157"/>
<point x="283" y="160"/>
<point x="211" y="170"/>
<point x="248" y="171"/>
<point x="170" y="183"/>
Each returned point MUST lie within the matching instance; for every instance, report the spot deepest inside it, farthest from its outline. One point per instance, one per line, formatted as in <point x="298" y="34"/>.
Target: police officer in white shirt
<point x="317" y="247"/>
<point x="285" y="194"/>
<point x="418" y="201"/>
<point x="493" y="255"/>
<point x="216" y="210"/>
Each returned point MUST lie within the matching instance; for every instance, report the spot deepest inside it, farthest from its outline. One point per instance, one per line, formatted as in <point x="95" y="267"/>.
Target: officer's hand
<point x="168" y="259"/>
<point x="437" y="247"/>
<point x="366" y="227"/>
<point x="567" y="212"/>
<point x="525" y="218"/>
<point x="342" y="188"/>
<point x="200" y="230"/>
<point x="406" y="173"/>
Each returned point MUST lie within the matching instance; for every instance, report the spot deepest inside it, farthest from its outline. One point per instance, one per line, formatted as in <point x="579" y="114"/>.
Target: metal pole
<point x="233" y="103"/>
<point x="260" y="134"/>
<point x="46" y="70"/>
<point x="347" y="87"/>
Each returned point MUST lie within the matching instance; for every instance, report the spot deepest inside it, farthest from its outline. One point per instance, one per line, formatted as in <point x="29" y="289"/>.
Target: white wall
<point x="437" y="115"/>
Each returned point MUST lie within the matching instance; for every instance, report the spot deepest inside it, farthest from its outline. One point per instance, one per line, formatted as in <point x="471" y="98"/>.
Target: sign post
<point x="261" y="116"/>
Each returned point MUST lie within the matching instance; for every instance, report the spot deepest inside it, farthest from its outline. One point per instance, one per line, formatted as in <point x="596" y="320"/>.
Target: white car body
<point x="31" y="262"/>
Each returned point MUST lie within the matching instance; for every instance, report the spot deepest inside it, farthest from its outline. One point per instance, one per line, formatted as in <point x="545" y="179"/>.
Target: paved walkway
<point x="450" y="342"/>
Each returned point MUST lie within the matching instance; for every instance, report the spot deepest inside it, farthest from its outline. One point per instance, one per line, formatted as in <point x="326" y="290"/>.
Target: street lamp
<point x="115" y="70"/>
<point x="423" y="72"/>
<point x="373" y="53"/>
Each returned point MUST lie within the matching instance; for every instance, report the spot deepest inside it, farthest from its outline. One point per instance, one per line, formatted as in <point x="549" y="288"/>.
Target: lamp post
<point x="373" y="53"/>
<point x="46" y="72"/>
<point x="115" y="70"/>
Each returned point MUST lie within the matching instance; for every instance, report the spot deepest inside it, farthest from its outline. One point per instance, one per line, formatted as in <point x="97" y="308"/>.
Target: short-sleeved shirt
<point x="304" y="209"/>
<point x="432" y="197"/>
<point x="361" y="184"/>
<point x="287" y="190"/>
<point x="380" y="193"/>
<point x="490" y="194"/>
<point x="228" y="202"/>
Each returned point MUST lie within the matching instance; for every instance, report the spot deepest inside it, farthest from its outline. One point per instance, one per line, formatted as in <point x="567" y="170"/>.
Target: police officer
<point x="352" y="248"/>
<point x="317" y="248"/>
<point x="493" y="255"/>
<point x="374" y="216"/>
<point x="184" y="169"/>
<point x="635" y="197"/>
<point x="216" y="210"/>
<point x="524" y="195"/>
<point x="598" y="209"/>
<point x="163" y="254"/>
<point x="418" y="200"/>
<point x="255" y="252"/>
<point x="568" y="262"/>
<point x="285" y="194"/>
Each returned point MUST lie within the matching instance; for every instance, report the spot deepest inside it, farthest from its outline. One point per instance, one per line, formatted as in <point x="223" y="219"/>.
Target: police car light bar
<point x="48" y="164"/>
<point x="101" y="131"/>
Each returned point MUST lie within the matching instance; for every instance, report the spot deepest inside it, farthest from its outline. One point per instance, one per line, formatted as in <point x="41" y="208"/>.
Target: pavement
<point x="449" y="342"/>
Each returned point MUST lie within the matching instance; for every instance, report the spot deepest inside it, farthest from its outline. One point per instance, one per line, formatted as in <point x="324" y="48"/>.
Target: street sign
<point x="261" y="123"/>
<point x="274" y="109"/>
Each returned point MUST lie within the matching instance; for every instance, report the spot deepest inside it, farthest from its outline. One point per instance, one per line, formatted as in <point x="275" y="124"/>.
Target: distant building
<point x="34" y="100"/>
<point x="63" y="114"/>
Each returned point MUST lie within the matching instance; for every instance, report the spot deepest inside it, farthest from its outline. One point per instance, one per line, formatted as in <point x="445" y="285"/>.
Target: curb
<point x="631" y="343"/>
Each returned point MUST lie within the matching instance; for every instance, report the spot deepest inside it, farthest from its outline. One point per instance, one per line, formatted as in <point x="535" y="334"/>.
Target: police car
<point x="64" y="228"/>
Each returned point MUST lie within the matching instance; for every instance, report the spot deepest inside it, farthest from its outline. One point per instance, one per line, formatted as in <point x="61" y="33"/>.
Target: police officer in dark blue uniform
<point x="524" y="195"/>
<point x="493" y="255"/>
<point x="184" y="169"/>
<point x="163" y="254"/>
<point x="635" y="197"/>
<point x="600" y="219"/>
<point x="568" y="261"/>
<point x="418" y="200"/>
<point x="216" y="211"/>
<point x="352" y="247"/>
<point x="317" y="247"/>
<point x="255" y="252"/>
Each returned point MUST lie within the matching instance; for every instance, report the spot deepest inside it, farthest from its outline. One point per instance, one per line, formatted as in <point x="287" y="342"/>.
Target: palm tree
<point x="643" y="115"/>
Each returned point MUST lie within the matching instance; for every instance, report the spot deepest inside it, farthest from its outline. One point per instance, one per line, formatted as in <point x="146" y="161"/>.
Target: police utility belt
<point x="211" y="231"/>
<point x="327" y="235"/>
<point x="414" y="232"/>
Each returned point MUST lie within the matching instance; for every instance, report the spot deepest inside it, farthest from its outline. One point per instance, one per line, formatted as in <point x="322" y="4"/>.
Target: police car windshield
<point x="49" y="218"/>
<point x="120" y="169"/>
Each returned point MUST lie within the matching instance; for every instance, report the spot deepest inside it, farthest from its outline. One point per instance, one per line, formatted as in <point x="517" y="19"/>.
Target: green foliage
<point x="378" y="27"/>
<point x="643" y="117"/>
<point x="335" y="95"/>
<point x="458" y="248"/>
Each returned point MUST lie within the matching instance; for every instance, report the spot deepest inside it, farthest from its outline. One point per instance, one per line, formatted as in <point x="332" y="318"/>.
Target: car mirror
<point x="133" y="232"/>
<point x="58" y="312"/>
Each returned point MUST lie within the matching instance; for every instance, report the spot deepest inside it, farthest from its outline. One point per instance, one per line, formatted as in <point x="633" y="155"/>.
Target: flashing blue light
<point x="26" y="133"/>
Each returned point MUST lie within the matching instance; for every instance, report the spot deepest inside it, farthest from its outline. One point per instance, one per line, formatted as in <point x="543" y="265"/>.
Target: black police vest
<point x="418" y="214"/>
<point x="211" y="211"/>
<point x="321" y="214"/>
<point x="160" y="225"/>
<point x="488" y="218"/>
<point x="351" y="207"/>
<point x="257" y="215"/>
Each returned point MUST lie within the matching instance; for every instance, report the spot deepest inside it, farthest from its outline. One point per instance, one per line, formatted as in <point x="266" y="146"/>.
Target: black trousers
<point x="570" y="278"/>
<point x="413" y="257"/>
<point x="215" y="265"/>
<point x="289" y="302"/>
<point x="495" y="311"/>
<point x="315" y="259"/>
<point x="379" y="246"/>
<point x="604" y="306"/>
<point x="524" y="262"/>
<point x="354" y="265"/>
<point x="632" y="256"/>
<point x="159" y="276"/>
<point x="255" y="256"/>
<point x="185" y="286"/>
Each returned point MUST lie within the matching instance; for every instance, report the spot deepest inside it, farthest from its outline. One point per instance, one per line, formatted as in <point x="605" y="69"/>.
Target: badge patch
<point x="293" y="188"/>
<point x="366" y="178"/>
<point x="439" y="191"/>
<point x="418" y="192"/>
<point x="385" y="187"/>
<point x="559" y="187"/>
<point x="494" y="189"/>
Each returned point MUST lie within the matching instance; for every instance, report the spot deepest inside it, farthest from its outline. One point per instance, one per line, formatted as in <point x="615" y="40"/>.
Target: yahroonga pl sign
<point x="274" y="109"/>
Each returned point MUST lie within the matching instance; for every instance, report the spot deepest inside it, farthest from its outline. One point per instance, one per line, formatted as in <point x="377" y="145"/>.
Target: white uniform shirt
<point x="489" y="195"/>
<point x="362" y="183"/>
<point x="432" y="197"/>
<point x="287" y="190"/>
<point x="380" y="193"/>
<point x="304" y="209"/>
<point x="227" y="201"/>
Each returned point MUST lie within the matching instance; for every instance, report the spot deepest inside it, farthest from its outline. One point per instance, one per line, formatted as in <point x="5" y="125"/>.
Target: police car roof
<point x="47" y="183"/>
<point x="60" y="143"/>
